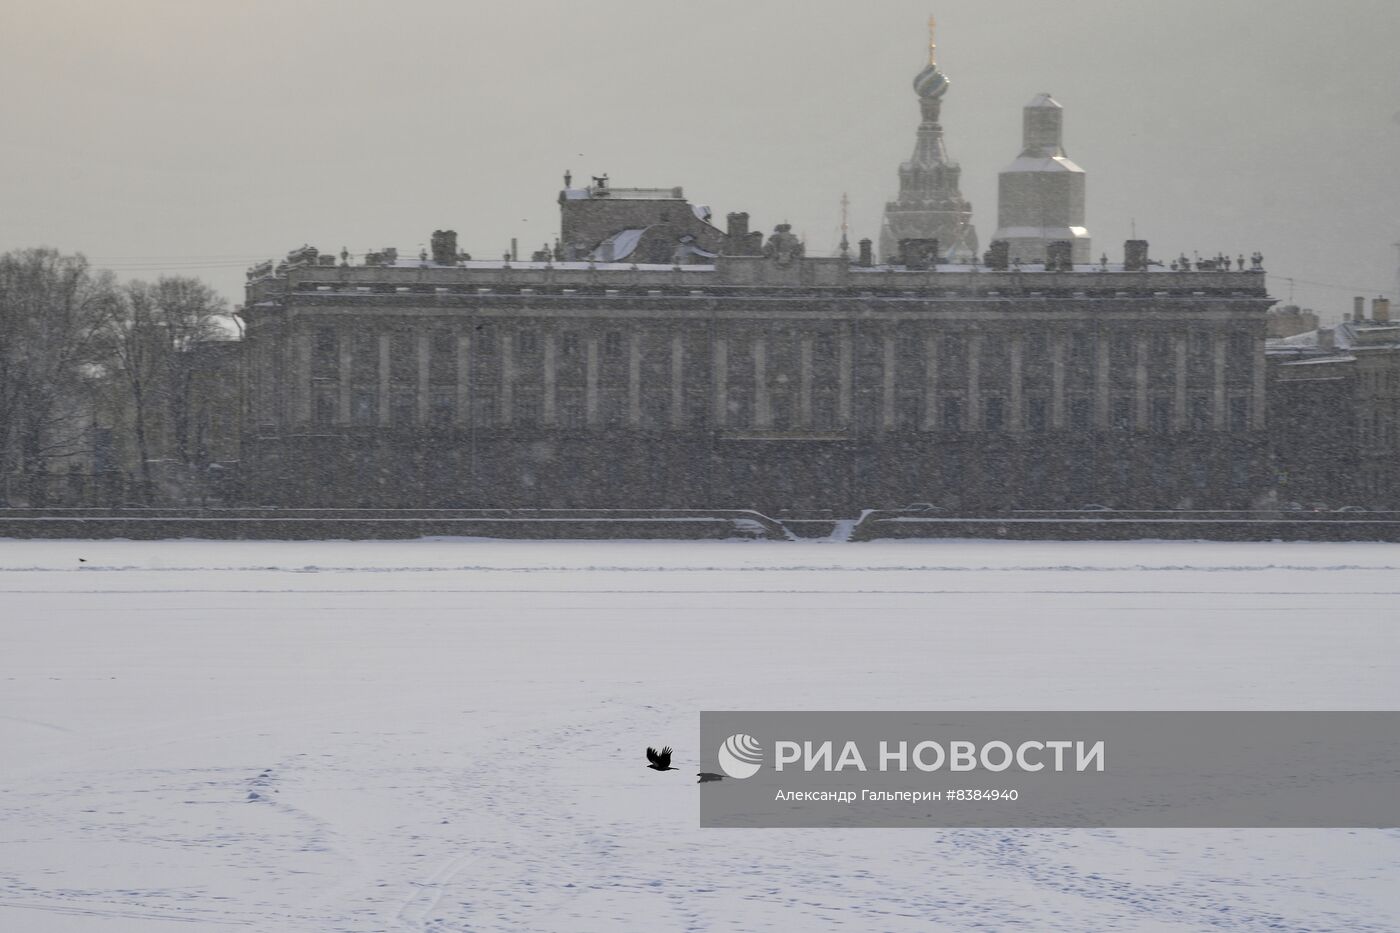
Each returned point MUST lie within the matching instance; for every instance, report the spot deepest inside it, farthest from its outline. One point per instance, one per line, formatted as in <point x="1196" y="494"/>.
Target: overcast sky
<point x="188" y="136"/>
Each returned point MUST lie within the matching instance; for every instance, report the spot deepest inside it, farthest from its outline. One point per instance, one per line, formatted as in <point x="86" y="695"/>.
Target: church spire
<point x="930" y="204"/>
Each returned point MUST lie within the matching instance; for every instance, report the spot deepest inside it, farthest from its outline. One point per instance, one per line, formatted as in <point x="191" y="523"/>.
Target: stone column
<point x="762" y="413"/>
<point x="1179" y="393"/>
<point x="1057" y="382"/>
<point x="634" y="380"/>
<point x="1101" y="364"/>
<point x="342" y="415"/>
<point x="425" y="349"/>
<point x="804" y="383"/>
<point x="721" y="382"/>
<point x="1257" y="400"/>
<point x="550" y="379"/>
<point x="507" y="401"/>
<point x="677" y="381"/>
<point x="384" y="351"/>
<point x="464" y="373"/>
<point x="301" y="380"/>
<point x="1140" y="386"/>
<point x="844" y="369"/>
<point x="1217" y="415"/>
<point x="887" y="383"/>
<point x="931" y="382"/>
<point x="1015" y="419"/>
<point x="974" y="374"/>
<point x="590" y="390"/>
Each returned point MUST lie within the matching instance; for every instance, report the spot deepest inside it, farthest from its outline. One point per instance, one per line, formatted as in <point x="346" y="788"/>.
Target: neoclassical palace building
<point x="776" y="380"/>
<point x="651" y="359"/>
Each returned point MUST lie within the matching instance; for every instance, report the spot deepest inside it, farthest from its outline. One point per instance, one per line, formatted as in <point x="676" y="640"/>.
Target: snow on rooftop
<point x="1042" y="164"/>
<point x="1041" y="233"/>
<point x="618" y="246"/>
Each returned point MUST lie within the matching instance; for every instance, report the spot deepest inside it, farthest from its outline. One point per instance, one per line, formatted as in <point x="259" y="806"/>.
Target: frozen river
<point x="449" y="735"/>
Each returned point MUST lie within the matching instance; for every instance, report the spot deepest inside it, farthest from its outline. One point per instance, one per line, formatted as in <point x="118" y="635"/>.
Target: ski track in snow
<point x="244" y="735"/>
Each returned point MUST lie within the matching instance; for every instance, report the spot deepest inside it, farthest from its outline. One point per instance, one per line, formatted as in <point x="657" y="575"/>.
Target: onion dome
<point x="931" y="84"/>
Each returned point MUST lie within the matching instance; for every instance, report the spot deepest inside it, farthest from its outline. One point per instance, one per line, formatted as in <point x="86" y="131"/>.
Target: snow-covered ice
<point x="448" y="735"/>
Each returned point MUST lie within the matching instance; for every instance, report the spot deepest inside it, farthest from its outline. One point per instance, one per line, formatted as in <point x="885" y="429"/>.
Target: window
<point x="323" y="408"/>
<point x="1081" y="349"/>
<point x="1037" y="349"/>
<point x="1081" y="414"/>
<point x="994" y="415"/>
<point x="1240" y="349"/>
<point x="1121" y="415"/>
<point x="1239" y="471"/>
<point x="1239" y="414"/>
<point x="994" y="350"/>
<point x="442" y="358"/>
<point x="907" y="411"/>
<point x="442" y="408"/>
<point x="1161" y="415"/>
<point x="485" y="339"/>
<point x="612" y="407"/>
<point x="568" y="345"/>
<point x="612" y="344"/>
<point x="1035" y="414"/>
<point x="526" y="342"/>
<point x="1121" y="350"/>
<point x="484" y="403"/>
<point x="1200" y="413"/>
<point x="325" y="364"/>
<point x="364" y="358"/>
<point x="656" y="410"/>
<point x="952" y="414"/>
<point x="824" y="411"/>
<point x="364" y="406"/>
<point x="403" y="358"/>
<point x="954" y="349"/>
<point x="403" y="407"/>
<point x="529" y="408"/>
<point x="571" y="411"/>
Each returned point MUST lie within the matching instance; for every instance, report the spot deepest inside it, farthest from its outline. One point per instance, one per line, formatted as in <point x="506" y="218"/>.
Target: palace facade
<point x="771" y="381"/>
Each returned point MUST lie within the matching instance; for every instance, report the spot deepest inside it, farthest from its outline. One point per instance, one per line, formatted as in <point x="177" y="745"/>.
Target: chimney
<point x="998" y="256"/>
<point x="1135" y="256"/>
<point x="1059" y="256"/>
<point x="738" y="226"/>
<point x="866" y="256"/>
<point x="1358" y="308"/>
<point x="1380" y="310"/>
<point x="444" y="244"/>
<point x="514" y="254"/>
<point x="1326" y="338"/>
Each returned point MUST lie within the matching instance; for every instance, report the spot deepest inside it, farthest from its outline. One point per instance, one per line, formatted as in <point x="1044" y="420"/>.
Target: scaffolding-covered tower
<point x="1041" y="195"/>
<point x="930" y="205"/>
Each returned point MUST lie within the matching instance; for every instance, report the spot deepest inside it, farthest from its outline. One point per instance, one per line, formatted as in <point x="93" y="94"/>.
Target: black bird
<point x="708" y="776"/>
<point x="660" y="761"/>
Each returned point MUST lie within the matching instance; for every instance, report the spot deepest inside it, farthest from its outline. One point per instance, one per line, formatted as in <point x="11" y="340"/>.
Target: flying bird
<point x="708" y="776"/>
<point x="660" y="761"/>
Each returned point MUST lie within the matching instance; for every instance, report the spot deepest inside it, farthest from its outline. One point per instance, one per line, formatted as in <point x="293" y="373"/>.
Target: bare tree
<point x="52" y="309"/>
<point x="151" y="332"/>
